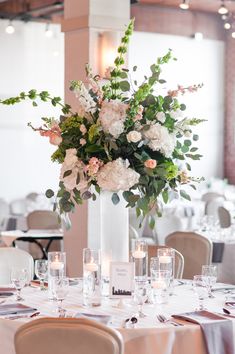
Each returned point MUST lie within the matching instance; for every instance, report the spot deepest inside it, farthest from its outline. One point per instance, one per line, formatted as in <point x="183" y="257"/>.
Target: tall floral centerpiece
<point x="124" y="137"/>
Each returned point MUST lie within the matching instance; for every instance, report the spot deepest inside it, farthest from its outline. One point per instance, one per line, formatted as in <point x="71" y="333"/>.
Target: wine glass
<point x="19" y="278"/>
<point x="60" y="289"/>
<point x="141" y="295"/>
<point x="210" y="274"/>
<point x="200" y="288"/>
<point x="41" y="270"/>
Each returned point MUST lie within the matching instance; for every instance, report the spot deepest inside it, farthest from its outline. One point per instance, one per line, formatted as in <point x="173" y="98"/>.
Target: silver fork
<point x="163" y="319"/>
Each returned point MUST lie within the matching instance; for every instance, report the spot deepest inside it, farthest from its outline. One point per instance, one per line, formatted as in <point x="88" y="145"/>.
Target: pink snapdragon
<point x="54" y="134"/>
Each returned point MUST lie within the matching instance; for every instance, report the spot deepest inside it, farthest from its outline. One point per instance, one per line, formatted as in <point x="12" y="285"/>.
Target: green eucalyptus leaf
<point x="115" y="198"/>
<point x="184" y="195"/>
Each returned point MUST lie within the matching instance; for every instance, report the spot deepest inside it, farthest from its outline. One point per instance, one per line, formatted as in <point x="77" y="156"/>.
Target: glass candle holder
<point x="56" y="268"/>
<point x="139" y="256"/>
<point x="166" y="259"/>
<point x="91" y="277"/>
<point x="160" y="281"/>
<point x="106" y="259"/>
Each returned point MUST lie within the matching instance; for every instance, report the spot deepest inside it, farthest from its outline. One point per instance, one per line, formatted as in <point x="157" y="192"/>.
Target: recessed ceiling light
<point x="227" y="25"/>
<point x="233" y="34"/>
<point x="184" y="5"/>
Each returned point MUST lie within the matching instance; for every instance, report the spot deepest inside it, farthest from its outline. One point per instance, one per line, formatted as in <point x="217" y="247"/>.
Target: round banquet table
<point x="148" y="336"/>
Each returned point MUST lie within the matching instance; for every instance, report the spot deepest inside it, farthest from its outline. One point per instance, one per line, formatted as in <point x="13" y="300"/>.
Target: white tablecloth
<point x="9" y="236"/>
<point x="149" y="336"/>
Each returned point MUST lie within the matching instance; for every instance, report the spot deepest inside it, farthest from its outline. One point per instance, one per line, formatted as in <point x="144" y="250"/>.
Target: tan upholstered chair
<point x="67" y="336"/>
<point x="208" y="197"/>
<point x="43" y="219"/>
<point x="224" y="217"/>
<point x="13" y="257"/>
<point x="39" y="220"/>
<point x="179" y="260"/>
<point x="196" y="249"/>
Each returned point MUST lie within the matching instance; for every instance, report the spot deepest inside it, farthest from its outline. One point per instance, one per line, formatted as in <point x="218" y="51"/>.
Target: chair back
<point x="18" y="207"/>
<point x="67" y="335"/>
<point x="165" y="225"/>
<point x="208" y="197"/>
<point x="179" y="260"/>
<point x="224" y="217"/>
<point x="211" y="207"/>
<point x="14" y="258"/>
<point x="196" y="249"/>
<point x="43" y="219"/>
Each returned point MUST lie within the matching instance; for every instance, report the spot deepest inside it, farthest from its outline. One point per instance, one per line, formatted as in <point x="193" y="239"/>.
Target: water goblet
<point x="141" y="295"/>
<point x="41" y="271"/>
<point x="200" y="288"/>
<point x="19" y="278"/>
<point x="210" y="274"/>
<point x="60" y="290"/>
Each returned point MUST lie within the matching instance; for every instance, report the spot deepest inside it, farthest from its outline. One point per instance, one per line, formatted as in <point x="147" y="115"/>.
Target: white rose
<point x="161" y="117"/>
<point x="176" y="114"/>
<point x="133" y="136"/>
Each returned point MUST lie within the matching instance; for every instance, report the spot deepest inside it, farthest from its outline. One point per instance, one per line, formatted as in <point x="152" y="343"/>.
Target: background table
<point x="33" y="236"/>
<point x="149" y="336"/>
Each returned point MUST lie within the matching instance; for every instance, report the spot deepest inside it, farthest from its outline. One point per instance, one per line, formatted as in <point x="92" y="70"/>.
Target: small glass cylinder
<point x="160" y="281"/>
<point x="106" y="259"/>
<point x="140" y="258"/>
<point x="166" y="259"/>
<point x="56" y="268"/>
<point x="91" y="277"/>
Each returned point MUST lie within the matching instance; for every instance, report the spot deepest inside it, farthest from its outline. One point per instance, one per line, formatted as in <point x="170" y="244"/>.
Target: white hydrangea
<point x="160" y="139"/>
<point x="112" y="116"/>
<point x="161" y="117"/>
<point x="71" y="162"/>
<point x="133" y="136"/>
<point x="116" y="175"/>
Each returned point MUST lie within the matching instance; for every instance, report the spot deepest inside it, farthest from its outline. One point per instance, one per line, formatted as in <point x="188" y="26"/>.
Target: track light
<point x="48" y="31"/>
<point x="223" y="9"/>
<point x="10" y="29"/>
<point x="184" y="5"/>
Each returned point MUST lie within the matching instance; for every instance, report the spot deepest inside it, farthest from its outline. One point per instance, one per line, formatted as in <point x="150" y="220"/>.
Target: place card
<point x="121" y="280"/>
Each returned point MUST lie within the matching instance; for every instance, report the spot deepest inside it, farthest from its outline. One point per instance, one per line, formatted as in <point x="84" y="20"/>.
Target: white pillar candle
<point x="165" y="259"/>
<point x="138" y="254"/>
<point x="56" y="265"/>
<point x="91" y="267"/>
<point x="158" y="284"/>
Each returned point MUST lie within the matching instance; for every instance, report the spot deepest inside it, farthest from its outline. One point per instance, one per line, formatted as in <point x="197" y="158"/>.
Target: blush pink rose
<point x="150" y="163"/>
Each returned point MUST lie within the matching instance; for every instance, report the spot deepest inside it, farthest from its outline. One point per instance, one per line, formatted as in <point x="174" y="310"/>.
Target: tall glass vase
<point x="114" y="224"/>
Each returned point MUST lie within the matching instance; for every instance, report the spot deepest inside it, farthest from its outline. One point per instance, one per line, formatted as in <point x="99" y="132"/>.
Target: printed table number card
<point x="121" y="279"/>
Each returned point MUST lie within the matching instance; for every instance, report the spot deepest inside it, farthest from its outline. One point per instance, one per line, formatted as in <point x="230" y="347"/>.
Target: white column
<point x="84" y="22"/>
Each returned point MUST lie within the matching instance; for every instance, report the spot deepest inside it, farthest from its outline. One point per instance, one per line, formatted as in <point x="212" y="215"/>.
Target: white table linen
<point x="149" y="336"/>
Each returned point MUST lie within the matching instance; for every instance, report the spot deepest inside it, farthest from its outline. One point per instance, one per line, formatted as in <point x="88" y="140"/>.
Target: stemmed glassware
<point x="41" y="271"/>
<point x="210" y="274"/>
<point x="141" y="295"/>
<point x="60" y="290"/>
<point x="19" y="278"/>
<point x="200" y="288"/>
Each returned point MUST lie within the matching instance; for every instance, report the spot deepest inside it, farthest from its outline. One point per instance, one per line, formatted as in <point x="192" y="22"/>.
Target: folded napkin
<point x="4" y="292"/>
<point x="36" y="284"/>
<point x="217" y="331"/>
<point x="14" y="309"/>
<point x="95" y="317"/>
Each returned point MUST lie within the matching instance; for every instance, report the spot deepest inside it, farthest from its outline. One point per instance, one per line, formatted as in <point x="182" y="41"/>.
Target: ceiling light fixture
<point x="223" y="9"/>
<point x="48" y="31"/>
<point x="10" y="29"/>
<point x="184" y="5"/>
<point x="227" y="25"/>
<point x="233" y="34"/>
